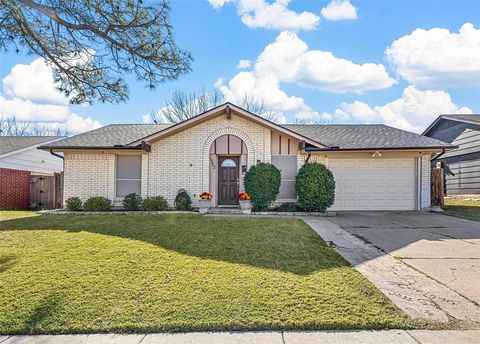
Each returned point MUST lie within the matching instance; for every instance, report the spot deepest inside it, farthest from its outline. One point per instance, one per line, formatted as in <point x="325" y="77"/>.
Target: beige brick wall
<point x="425" y="182"/>
<point x="181" y="161"/>
<point x="88" y="175"/>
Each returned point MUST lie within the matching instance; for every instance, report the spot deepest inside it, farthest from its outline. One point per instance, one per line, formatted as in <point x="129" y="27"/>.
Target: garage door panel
<point x="374" y="184"/>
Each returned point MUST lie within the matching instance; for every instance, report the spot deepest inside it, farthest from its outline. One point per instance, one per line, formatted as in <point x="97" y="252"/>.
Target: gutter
<point x="144" y="147"/>
<point x="379" y="148"/>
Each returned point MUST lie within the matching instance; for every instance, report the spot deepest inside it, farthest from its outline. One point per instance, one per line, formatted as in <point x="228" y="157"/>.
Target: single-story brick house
<point x="376" y="167"/>
<point x="19" y="161"/>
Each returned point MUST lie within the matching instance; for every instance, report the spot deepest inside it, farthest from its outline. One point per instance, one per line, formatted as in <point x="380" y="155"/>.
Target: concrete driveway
<point x="442" y="247"/>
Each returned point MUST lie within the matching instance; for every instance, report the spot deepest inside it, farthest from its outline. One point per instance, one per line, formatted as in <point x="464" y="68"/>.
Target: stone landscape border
<point x="164" y="212"/>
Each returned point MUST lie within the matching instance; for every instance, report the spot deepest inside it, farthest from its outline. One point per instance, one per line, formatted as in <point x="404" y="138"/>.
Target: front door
<point x="228" y="180"/>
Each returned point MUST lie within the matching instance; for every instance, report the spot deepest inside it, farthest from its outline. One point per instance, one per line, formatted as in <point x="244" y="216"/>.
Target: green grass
<point x="142" y="273"/>
<point x="460" y="207"/>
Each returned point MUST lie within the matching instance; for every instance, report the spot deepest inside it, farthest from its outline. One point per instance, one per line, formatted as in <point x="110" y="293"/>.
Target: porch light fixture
<point x="377" y="154"/>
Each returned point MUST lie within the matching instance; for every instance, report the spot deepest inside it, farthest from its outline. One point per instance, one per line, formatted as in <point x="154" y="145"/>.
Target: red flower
<point x="206" y="195"/>
<point x="244" y="196"/>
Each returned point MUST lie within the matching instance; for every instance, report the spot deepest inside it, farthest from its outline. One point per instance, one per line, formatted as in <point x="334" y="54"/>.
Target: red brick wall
<point x="14" y="189"/>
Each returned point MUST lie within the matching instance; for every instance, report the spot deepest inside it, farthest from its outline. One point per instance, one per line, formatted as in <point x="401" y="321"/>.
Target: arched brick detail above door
<point x="209" y="141"/>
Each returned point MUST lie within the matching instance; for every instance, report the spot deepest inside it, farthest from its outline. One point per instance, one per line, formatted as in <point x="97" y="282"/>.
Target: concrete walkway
<point x="274" y="337"/>
<point x="415" y="293"/>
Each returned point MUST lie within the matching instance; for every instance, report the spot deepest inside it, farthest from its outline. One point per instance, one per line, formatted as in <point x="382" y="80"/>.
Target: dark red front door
<point x="228" y="180"/>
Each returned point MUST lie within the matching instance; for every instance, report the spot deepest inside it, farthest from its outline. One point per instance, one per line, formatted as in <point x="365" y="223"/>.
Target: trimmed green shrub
<point x="262" y="183"/>
<point x="288" y="207"/>
<point x="183" y="200"/>
<point x="98" y="203"/>
<point x="73" y="203"/>
<point x="132" y="201"/>
<point x="315" y="187"/>
<point x="154" y="203"/>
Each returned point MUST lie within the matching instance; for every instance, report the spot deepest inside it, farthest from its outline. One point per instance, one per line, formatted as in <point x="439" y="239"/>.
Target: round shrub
<point x="73" y="203"/>
<point x="154" y="203"/>
<point x="262" y="182"/>
<point x="183" y="200"/>
<point x="315" y="187"/>
<point x="97" y="204"/>
<point x="132" y="201"/>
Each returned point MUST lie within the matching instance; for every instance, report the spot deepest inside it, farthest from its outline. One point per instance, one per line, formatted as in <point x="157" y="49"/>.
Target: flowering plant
<point x="206" y="195"/>
<point x="244" y="196"/>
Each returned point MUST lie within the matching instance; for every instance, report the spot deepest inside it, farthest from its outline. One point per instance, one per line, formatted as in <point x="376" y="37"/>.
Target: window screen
<point x="129" y="174"/>
<point x="287" y="164"/>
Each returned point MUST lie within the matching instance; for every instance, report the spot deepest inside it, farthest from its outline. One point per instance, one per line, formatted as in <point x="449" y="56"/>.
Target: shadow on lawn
<point x="41" y="314"/>
<point x="277" y="244"/>
<point x="7" y="261"/>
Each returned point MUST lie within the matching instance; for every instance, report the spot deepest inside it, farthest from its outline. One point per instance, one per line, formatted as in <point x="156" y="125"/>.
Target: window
<point x="228" y="163"/>
<point x="287" y="164"/>
<point x="129" y="174"/>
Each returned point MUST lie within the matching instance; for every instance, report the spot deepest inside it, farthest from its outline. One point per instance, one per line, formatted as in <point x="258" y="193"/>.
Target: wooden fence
<point x="438" y="186"/>
<point x="46" y="192"/>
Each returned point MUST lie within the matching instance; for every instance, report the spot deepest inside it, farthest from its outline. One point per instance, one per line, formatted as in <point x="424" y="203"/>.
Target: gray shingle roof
<point x="110" y="135"/>
<point x="12" y="143"/>
<point x="364" y="136"/>
<point x="361" y="136"/>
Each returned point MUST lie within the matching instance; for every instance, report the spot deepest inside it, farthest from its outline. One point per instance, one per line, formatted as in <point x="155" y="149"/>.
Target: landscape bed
<point x="179" y="272"/>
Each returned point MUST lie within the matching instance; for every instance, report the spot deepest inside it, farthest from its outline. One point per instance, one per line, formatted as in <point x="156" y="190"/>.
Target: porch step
<point x="229" y="211"/>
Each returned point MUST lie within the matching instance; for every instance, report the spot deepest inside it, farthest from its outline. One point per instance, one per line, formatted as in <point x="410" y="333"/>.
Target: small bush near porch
<point x="144" y="273"/>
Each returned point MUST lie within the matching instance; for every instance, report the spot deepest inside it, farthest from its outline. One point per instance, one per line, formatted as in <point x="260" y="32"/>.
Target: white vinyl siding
<point x="128" y="175"/>
<point x="287" y="164"/>
<point x="374" y="184"/>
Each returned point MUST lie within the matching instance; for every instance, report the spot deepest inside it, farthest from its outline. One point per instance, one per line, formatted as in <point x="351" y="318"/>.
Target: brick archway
<point x="209" y="141"/>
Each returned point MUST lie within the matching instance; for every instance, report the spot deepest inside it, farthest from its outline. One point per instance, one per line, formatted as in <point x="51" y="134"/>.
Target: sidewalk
<point x="274" y="337"/>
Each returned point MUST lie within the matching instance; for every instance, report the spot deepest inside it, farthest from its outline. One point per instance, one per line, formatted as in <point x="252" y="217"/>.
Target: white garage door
<point x="373" y="184"/>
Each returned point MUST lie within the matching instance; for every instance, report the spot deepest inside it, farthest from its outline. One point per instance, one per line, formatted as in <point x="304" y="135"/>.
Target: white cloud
<point x="289" y="60"/>
<point x="413" y="111"/>
<point x="339" y="10"/>
<point x="271" y="15"/>
<point x="242" y="64"/>
<point x="33" y="82"/>
<point x="216" y="4"/>
<point x="30" y="95"/>
<point x="437" y="58"/>
<point x="147" y="119"/>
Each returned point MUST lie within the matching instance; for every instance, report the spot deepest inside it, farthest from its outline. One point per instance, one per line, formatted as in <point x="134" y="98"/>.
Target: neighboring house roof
<point x="465" y="118"/>
<point x="365" y="136"/>
<point x="319" y="137"/>
<point x="10" y="144"/>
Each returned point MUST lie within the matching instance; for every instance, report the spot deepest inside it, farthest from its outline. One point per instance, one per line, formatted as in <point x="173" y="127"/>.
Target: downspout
<point x="438" y="155"/>
<point x="57" y="155"/>
<point x="308" y="157"/>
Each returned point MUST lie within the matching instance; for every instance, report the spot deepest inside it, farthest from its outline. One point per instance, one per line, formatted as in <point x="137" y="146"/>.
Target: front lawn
<point x="143" y="273"/>
<point x="457" y="206"/>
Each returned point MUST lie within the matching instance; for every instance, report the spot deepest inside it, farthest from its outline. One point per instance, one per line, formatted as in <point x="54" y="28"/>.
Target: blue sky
<point x="429" y="71"/>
